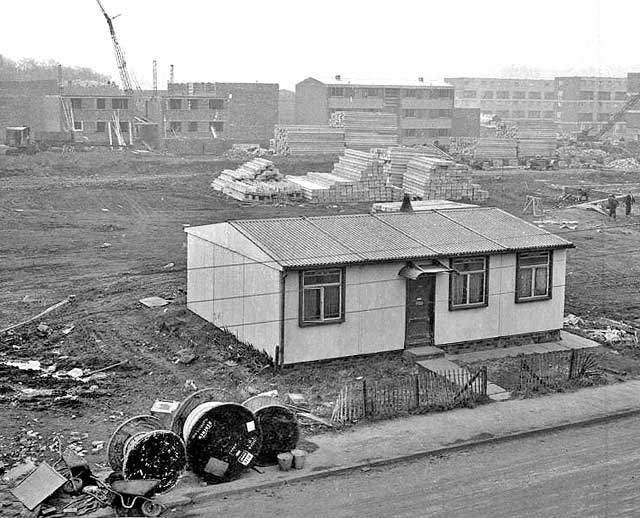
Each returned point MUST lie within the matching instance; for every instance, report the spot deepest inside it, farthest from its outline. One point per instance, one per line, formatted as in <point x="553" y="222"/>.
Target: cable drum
<point x="140" y="449"/>
<point x="280" y="428"/>
<point x="222" y="440"/>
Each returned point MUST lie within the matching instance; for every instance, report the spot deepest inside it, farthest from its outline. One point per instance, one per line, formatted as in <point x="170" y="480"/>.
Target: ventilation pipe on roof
<point x="406" y="204"/>
<point x="338" y="78"/>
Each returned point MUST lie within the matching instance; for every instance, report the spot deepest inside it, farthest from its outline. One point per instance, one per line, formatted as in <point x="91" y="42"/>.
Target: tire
<point x="151" y="508"/>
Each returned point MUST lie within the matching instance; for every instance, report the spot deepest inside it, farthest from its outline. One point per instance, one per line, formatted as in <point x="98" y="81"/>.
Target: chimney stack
<point x="406" y="203"/>
<point x="338" y="77"/>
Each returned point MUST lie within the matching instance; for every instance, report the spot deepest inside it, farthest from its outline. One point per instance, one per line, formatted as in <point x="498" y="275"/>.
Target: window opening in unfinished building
<point x="76" y="104"/>
<point x="175" y="126"/>
<point x="216" y="104"/>
<point x="410" y="93"/>
<point x="124" y="127"/>
<point x="193" y="126"/>
<point x="101" y="127"/>
<point x="175" y="104"/>
<point x="336" y="91"/>
<point x="119" y="104"/>
<point x="217" y="126"/>
<point x="101" y="104"/>
<point x="193" y="104"/>
<point x="78" y="125"/>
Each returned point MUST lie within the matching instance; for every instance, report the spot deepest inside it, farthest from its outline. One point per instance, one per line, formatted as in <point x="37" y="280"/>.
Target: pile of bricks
<point x="308" y="140"/>
<point x="431" y="178"/>
<point x="257" y="180"/>
<point x="357" y="177"/>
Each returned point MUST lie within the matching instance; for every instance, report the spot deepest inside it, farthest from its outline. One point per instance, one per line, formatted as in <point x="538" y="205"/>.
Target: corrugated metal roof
<point x="364" y="238"/>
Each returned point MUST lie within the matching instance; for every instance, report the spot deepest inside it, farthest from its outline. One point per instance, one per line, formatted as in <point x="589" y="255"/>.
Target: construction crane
<point x="611" y="121"/>
<point x="122" y="64"/>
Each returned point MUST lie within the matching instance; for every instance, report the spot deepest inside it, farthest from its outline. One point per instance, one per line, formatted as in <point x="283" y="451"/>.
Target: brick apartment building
<point x="235" y="112"/>
<point x="424" y="110"/>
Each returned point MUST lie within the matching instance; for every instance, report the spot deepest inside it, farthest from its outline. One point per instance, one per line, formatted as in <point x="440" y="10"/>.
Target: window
<point x="535" y="95"/>
<point x="124" y="127"/>
<point x="533" y="276"/>
<point x="518" y="95"/>
<point x="443" y="132"/>
<point x="216" y="126"/>
<point x="549" y="95"/>
<point x="101" y="104"/>
<point x="101" y="127"/>
<point x="120" y="104"/>
<point x="517" y="114"/>
<point x="76" y="103"/>
<point x="468" y="285"/>
<point x="193" y="104"/>
<point x="193" y="126"/>
<point x="175" y="126"/>
<point x="216" y="104"/>
<point x="370" y="92"/>
<point x="410" y="93"/>
<point x="488" y="94"/>
<point x="408" y="113"/>
<point x="621" y="96"/>
<point x="322" y="296"/>
<point x="336" y="91"/>
<point x="585" y="117"/>
<point x="440" y="113"/>
<point x="502" y="94"/>
<point x="603" y="117"/>
<point x="550" y="114"/>
<point x="586" y="95"/>
<point x="78" y="126"/>
<point x="175" y="104"/>
<point x="604" y="96"/>
<point x="533" y="114"/>
<point x="469" y="94"/>
<point x="409" y="133"/>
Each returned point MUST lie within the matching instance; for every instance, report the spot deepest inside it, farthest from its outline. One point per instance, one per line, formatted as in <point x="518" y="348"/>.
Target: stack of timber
<point x="495" y="149"/>
<point x="366" y="130"/>
<point x="530" y="148"/>
<point x="256" y="180"/>
<point x="430" y="178"/>
<point x="397" y="158"/>
<point x="536" y="129"/>
<point x="308" y="140"/>
<point x="357" y="177"/>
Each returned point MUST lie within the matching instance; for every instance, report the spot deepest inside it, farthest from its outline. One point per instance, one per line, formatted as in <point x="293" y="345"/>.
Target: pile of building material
<point x="530" y="148"/>
<point x="357" y="177"/>
<point x="308" y="140"/>
<point x="258" y="179"/>
<point x="496" y="150"/>
<point x="625" y="164"/>
<point x="430" y="178"/>
<point x="536" y="129"/>
<point x="397" y="158"/>
<point x="366" y="130"/>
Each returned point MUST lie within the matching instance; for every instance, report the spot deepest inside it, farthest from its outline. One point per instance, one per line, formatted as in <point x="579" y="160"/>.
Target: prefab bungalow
<point x="313" y="288"/>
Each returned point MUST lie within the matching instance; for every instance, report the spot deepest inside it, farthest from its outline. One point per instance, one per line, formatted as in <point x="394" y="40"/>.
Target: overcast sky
<point x="285" y="41"/>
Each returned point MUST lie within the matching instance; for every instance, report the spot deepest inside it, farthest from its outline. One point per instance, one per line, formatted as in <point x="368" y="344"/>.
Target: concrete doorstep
<point x="386" y="442"/>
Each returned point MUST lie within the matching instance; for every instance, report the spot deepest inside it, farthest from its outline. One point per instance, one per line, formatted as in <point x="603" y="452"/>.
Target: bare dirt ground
<point x="106" y="226"/>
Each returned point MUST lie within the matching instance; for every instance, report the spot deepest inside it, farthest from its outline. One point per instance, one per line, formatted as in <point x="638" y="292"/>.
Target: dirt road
<point x="582" y="472"/>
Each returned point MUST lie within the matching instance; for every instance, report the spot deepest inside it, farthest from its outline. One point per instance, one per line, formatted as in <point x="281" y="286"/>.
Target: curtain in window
<point x="524" y="282"/>
<point x="312" y="304"/>
<point x="476" y="288"/>
<point x="459" y="289"/>
<point x="542" y="283"/>
<point x="332" y="302"/>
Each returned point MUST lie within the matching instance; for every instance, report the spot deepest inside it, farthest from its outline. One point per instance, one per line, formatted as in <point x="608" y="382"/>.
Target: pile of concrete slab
<point x="308" y="140"/>
<point x="366" y="130"/>
<point x="397" y="158"/>
<point x="431" y="178"/>
<point x="256" y="180"/>
<point x="358" y="176"/>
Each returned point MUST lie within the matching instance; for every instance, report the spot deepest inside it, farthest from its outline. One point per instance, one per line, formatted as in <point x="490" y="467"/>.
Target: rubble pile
<point x="625" y="164"/>
<point x="605" y="330"/>
<point x="583" y="157"/>
<point x="257" y="179"/>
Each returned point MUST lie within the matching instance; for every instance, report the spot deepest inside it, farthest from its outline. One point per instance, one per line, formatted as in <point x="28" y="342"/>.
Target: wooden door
<point x="420" y="311"/>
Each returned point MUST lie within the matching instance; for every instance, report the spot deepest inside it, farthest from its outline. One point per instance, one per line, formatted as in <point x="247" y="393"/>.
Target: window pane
<point x="459" y="288"/>
<point x="534" y="259"/>
<point x="541" y="281"/>
<point x="524" y="282"/>
<point x="321" y="277"/>
<point x="332" y="302"/>
<point x="469" y="264"/>
<point x="476" y="288"/>
<point x="311" y="305"/>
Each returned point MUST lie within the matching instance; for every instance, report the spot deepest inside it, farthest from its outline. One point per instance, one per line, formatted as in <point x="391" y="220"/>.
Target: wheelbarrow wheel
<point x="151" y="508"/>
<point x="73" y="486"/>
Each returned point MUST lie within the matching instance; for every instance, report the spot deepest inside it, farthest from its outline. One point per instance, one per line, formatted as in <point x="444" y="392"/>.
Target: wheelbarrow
<point x="137" y="493"/>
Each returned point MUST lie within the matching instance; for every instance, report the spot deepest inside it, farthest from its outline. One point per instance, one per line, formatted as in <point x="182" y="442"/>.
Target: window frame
<point x="192" y="126"/>
<point x="549" y="266"/>
<point x="452" y="276"/>
<point x="81" y="123"/>
<point x="101" y="103"/>
<point x="119" y="103"/>
<point x="76" y="103"/>
<point x="104" y="126"/>
<point x="301" y="298"/>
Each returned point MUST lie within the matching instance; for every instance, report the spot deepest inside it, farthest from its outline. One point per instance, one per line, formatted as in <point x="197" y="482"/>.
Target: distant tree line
<point x="29" y="69"/>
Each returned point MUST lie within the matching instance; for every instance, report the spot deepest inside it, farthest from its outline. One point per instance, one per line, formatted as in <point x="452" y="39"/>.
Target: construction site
<point x="130" y="219"/>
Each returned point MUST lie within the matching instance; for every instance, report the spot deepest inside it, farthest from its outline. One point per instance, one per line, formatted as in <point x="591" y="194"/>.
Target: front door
<point x="420" y="311"/>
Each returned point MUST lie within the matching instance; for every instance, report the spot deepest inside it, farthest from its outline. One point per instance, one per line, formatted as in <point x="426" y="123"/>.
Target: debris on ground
<point x="69" y="299"/>
<point x="625" y="164"/>
<point x="154" y="302"/>
<point x="184" y="356"/>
